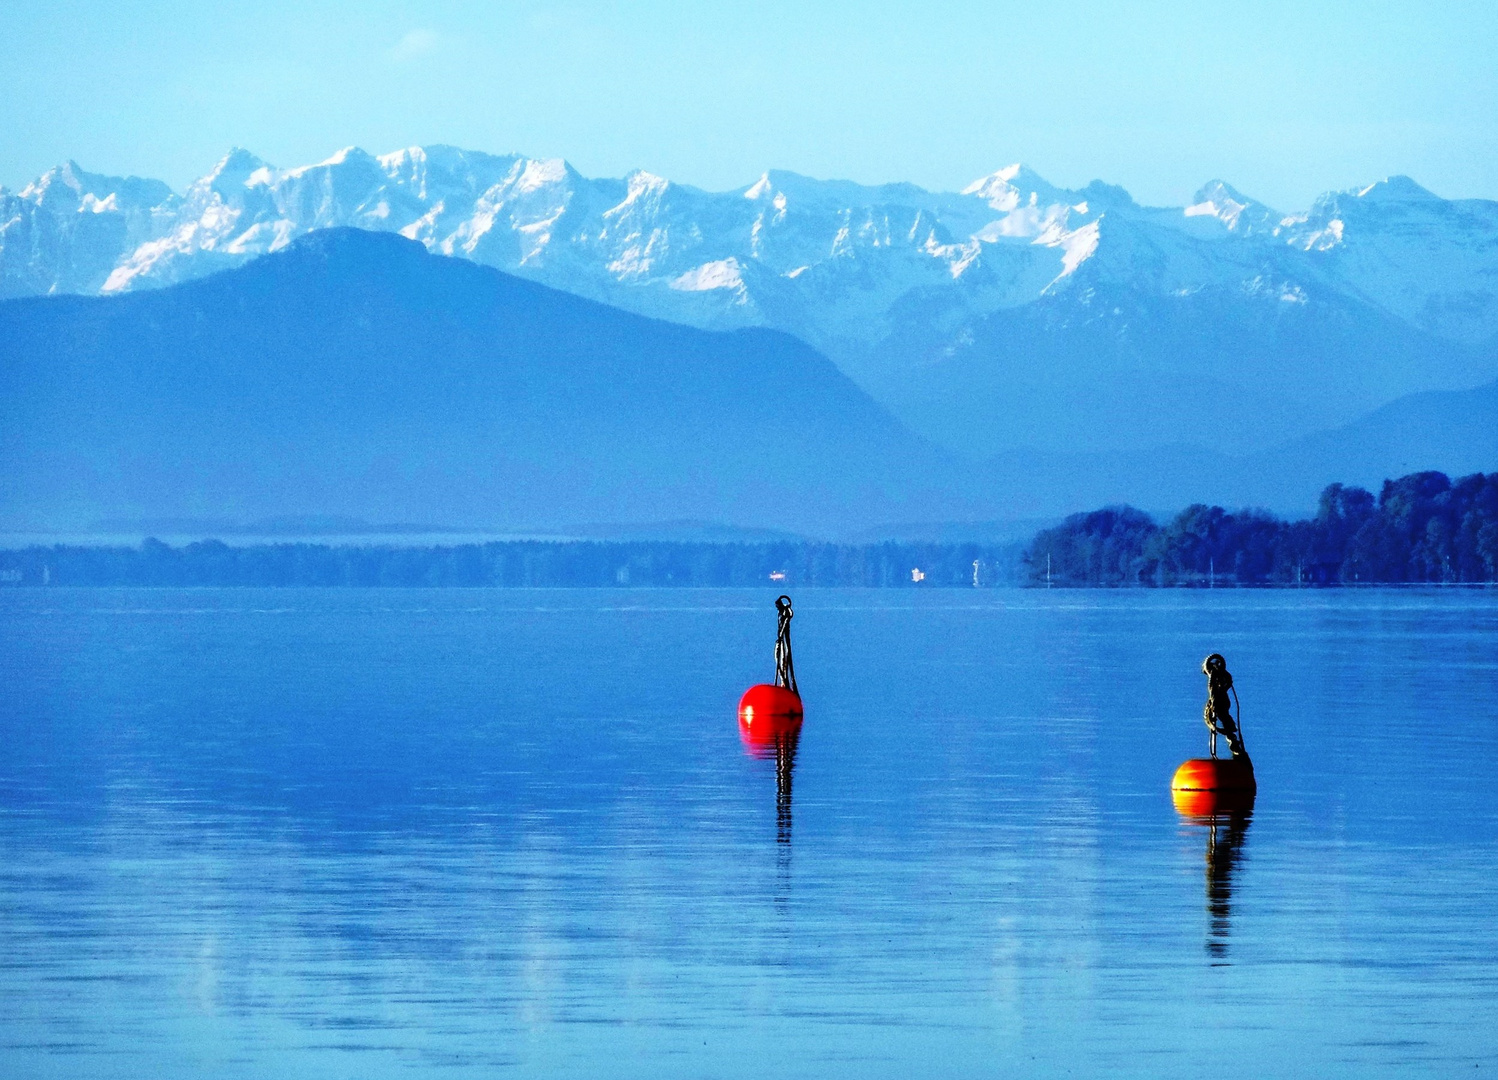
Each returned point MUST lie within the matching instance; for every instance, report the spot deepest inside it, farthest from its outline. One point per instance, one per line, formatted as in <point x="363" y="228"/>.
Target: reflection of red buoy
<point x="761" y="730"/>
<point x="1215" y="774"/>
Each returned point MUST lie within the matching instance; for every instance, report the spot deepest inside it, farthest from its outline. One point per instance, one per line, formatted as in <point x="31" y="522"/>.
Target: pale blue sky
<point x="1282" y="99"/>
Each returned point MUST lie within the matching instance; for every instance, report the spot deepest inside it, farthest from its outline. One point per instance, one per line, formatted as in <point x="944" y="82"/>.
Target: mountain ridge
<point x="259" y="208"/>
<point x="1002" y="317"/>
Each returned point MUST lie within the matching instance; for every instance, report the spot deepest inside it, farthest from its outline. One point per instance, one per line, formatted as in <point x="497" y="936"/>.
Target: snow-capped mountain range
<point x="893" y="282"/>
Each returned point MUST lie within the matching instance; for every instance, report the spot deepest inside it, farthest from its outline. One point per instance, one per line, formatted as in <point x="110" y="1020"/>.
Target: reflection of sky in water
<point x="485" y="833"/>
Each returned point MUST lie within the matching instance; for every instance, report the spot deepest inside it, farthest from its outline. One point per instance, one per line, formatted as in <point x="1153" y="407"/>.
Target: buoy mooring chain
<point x="1200" y="782"/>
<point x="765" y="710"/>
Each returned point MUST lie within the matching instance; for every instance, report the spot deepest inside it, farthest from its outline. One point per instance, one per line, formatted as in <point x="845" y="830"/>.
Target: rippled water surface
<point x="471" y="833"/>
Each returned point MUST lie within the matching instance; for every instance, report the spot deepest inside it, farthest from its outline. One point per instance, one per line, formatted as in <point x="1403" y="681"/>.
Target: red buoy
<point x="768" y="715"/>
<point x="765" y="705"/>
<point x="767" y="712"/>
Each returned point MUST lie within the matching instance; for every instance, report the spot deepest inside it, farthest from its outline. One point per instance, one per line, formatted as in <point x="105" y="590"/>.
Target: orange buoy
<point x="1215" y="774"/>
<point x="1212" y="785"/>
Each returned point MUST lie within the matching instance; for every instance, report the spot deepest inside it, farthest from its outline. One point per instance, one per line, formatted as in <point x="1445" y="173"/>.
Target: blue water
<point x="482" y="833"/>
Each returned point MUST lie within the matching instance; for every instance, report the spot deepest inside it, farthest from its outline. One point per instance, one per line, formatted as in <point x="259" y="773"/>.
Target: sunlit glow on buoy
<point x="1214" y="774"/>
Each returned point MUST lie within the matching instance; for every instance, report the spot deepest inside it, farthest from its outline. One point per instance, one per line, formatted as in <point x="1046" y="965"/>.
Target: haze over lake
<point x="414" y="833"/>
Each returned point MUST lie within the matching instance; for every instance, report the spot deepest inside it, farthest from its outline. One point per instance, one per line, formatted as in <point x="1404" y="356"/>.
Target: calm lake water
<point x="412" y="833"/>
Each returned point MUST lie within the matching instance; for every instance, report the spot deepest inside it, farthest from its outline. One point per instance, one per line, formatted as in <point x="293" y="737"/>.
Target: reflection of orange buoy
<point x="1205" y="805"/>
<point x="1215" y="774"/>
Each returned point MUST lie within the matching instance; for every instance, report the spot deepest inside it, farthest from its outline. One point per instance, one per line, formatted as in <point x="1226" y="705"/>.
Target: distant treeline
<point x="517" y="564"/>
<point x="1421" y="528"/>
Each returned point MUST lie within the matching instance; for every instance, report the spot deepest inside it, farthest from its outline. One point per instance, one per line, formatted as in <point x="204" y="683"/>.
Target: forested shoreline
<point x="1421" y="528"/>
<point x="518" y="564"/>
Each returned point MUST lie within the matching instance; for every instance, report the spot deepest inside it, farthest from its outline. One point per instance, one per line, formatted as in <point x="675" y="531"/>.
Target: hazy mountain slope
<point x="1455" y="432"/>
<point x="355" y="374"/>
<point x="1117" y="368"/>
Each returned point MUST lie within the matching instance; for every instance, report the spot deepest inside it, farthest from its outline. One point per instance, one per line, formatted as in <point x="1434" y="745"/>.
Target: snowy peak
<point x="541" y="173"/>
<point x="1222" y="193"/>
<point x="235" y="171"/>
<point x="783" y="189"/>
<point x="238" y="162"/>
<point x="1237" y="212"/>
<point x="1396" y="198"/>
<point x="63" y="187"/>
<point x="762" y="188"/>
<point x="1429" y="261"/>
<point x="68" y="229"/>
<point x="1012" y="187"/>
<point x="1015" y="205"/>
<point x="1397" y="189"/>
<point x="67" y="188"/>
<point x="348" y="153"/>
